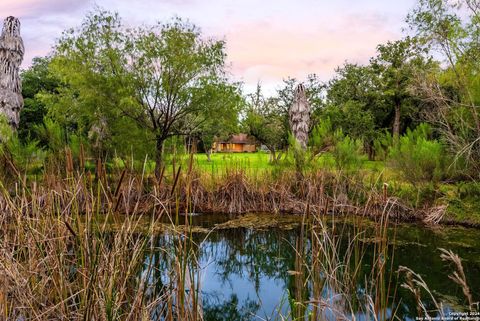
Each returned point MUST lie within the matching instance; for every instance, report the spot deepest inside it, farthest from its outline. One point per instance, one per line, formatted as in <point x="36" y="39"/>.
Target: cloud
<point x="270" y="51"/>
<point x="266" y="41"/>
<point x="35" y="8"/>
<point x="43" y="21"/>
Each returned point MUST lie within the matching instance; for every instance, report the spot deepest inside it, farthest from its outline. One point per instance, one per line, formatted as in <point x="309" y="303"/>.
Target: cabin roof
<point x="238" y="139"/>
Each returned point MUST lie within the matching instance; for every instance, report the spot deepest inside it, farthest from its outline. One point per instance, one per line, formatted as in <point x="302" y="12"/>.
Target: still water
<point x="246" y="270"/>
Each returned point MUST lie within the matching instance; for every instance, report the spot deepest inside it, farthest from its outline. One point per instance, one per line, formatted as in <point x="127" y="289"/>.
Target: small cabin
<point x="239" y="143"/>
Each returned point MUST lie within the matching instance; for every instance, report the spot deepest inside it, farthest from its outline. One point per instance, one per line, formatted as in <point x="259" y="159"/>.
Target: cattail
<point x="82" y="158"/>
<point x="385" y="192"/>
<point x="68" y="160"/>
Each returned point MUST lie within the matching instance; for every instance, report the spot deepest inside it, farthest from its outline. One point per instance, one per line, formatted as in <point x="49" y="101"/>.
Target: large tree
<point x="395" y="65"/>
<point x="368" y="100"/>
<point x="451" y="30"/>
<point x="223" y="104"/>
<point x="91" y="62"/>
<point x="172" y="66"/>
<point x="150" y="78"/>
<point x="355" y="104"/>
<point x="267" y="122"/>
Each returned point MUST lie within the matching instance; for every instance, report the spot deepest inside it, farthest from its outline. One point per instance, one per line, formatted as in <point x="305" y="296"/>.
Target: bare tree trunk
<point x="209" y="153"/>
<point x="299" y="116"/>
<point x="396" y="121"/>
<point x="159" y="156"/>
<point x="11" y="56"/>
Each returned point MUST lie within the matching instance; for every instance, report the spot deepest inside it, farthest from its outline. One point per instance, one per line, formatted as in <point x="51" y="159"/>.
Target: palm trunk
<point x="299" y="117"/>
<point x="11" y="56"/>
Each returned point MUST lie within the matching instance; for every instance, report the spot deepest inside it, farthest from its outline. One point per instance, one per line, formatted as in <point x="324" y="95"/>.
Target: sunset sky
<point x="266" y="40"/>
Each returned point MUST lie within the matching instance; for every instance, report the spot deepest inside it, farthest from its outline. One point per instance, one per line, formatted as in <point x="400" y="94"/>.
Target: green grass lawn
<point x="259" y="160"/>
<point x="252" y="163"/>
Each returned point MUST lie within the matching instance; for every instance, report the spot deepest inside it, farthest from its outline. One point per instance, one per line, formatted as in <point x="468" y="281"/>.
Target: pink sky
<point x="267" y="40"/>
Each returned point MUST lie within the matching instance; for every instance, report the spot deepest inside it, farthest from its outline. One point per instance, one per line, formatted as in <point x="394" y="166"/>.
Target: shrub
<point x="299" y="155"/>
<point x="14" y="153"/>
<point x="418" y="158"/>
<point x="322" y="137"/>
<point x="382" y="145"/>
<point x="347" y="152"/>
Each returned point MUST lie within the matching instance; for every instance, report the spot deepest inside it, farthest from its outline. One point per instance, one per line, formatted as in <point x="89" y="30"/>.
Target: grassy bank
<point x="249" y="182"/>
<point x="460" y="200"/>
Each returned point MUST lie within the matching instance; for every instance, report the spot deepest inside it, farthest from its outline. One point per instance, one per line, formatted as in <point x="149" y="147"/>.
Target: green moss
<point x="466" y="210"/>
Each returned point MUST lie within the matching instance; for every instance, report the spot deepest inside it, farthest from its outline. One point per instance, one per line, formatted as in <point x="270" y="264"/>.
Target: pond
<point x="247" y="268"/>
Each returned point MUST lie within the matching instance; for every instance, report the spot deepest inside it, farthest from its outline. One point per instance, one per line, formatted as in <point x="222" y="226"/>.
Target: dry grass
<point x="58" y="262"/>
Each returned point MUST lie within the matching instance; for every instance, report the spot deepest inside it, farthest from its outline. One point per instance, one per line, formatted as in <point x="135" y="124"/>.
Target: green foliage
<point x="314" y="91"/>
<point x="266" y="121"/>
<point x="36" y="80"/>
<point x="367" y="100"/>
<point x="56" y="139"/>
<point x="451" y="31"/>
<point x="299" y="154"/>
<point x="417" y="158"/>
<point x="183" y="74"/>
<point x="353" y="118"/>
<point x="382" y="144"/>
<point x="224" y="102"/>
<point x="322" y="137"/>
<point x="22" y="155"/>
<point x="51" y="134"/>
<point x="91" y="63"/>
<point x="347" y="153"/>
<point x="354" y="95"/>
<point x="396" y="64"/>
<point x="130" y="90"/>
<point x="266" y="118"/>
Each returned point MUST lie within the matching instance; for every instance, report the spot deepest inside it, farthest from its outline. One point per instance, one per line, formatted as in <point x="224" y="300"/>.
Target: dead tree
<point x="299" y="116"/>
<point x="11" y="56"/>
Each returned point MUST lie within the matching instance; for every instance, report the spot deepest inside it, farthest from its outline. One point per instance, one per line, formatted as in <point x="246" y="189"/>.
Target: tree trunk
<point x="279" y="156"/>
<point x="159" y="156"/>
<point x="370" y="151"/>
<point x="209" y="153"/>
<point x="396" y="121"/>
<point x="272" y="156"/>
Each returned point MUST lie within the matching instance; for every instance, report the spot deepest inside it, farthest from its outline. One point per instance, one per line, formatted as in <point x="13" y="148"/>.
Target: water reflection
<point x="248" y="274"/>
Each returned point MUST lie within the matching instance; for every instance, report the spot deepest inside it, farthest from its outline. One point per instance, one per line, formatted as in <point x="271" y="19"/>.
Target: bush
<point x="418" y="158"/>
<point x="347" y="152"/>
<point x="322" y="137"/>
<point x="15" y="155"/>
<point x="382" y="145"/>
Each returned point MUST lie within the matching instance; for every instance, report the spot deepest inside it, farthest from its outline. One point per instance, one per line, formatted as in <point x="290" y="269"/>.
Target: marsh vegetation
<point x="113" y="206"/>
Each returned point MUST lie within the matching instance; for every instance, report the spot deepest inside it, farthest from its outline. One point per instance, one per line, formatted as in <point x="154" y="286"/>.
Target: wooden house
<point x="239" y="143"/>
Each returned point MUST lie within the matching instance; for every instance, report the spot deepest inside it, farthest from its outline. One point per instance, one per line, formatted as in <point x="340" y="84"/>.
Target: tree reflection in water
<point x="248" y="274"/>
